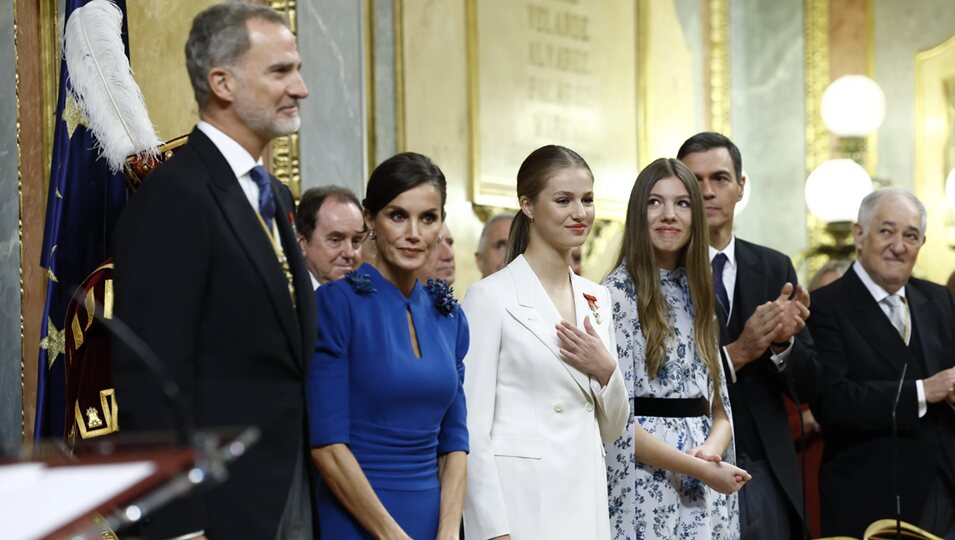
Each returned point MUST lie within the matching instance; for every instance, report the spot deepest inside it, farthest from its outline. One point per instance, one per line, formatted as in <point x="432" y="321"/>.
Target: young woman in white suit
<point x="543" y="384"/>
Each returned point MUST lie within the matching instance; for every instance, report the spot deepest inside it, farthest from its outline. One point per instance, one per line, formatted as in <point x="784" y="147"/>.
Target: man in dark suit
<point x="871" y="326"/>
<point x="767" y="350"/>
<point x="209" y="275"/>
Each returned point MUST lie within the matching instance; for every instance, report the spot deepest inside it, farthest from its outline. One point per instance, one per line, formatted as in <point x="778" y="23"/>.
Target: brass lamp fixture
<point x="853" y="107"/>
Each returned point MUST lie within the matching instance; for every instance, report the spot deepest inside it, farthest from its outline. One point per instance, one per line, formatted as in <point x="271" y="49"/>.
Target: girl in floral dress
<point x="671" y="475"/>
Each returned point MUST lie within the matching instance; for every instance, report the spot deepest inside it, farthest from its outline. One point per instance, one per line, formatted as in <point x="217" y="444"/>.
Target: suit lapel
<point x="250" y="235"/>
<point x="918" y="308"/>
<point x="536" y="312"/>
<point x="750" y="280"/>
<point x="872" y="323"/>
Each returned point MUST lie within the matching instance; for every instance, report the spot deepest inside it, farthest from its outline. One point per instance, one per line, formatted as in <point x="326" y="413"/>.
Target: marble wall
<point x="902" y="29"/>
<point x="333" y="138"/>
<point x="11" y="389"/>
<point x="768" y="119"/>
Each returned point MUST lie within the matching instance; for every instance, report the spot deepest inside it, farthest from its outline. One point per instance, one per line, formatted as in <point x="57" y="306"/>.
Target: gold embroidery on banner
<point x="54" y="343"/>
<point x="109" y="422"/>
<point x="108" y="299"/>
<point x="73" y="114"/>
<point x="89" y="303"/>
<point x="77" y="331"/>
<point x="92" y="418"/>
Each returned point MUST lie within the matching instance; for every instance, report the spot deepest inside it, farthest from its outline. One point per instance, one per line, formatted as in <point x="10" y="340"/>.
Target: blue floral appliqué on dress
<point x="647" y="502"/>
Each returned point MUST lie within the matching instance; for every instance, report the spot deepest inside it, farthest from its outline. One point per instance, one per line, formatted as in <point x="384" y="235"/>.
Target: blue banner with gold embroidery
<point x="83" y="204"/>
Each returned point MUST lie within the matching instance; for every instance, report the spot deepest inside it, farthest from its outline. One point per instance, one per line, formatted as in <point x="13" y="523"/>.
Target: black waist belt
<point x="671" y="408"/>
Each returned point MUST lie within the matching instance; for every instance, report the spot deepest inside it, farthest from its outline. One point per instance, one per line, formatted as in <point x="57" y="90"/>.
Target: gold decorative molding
<point x="284" y="156"/>
<point x="816" y="17"/>
<point x="817" y="78"/>
<point x="23" y="367"/>
<point x="50" y="68"/>
<point x="719" y="66"/>
<point x="397" y="14"/>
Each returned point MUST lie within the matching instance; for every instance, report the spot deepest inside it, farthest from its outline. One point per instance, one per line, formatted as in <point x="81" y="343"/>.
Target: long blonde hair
<point x="637" y="254"/>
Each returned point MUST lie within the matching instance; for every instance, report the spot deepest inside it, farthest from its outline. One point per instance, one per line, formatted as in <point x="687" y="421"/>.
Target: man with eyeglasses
<point x="330" y="232"/>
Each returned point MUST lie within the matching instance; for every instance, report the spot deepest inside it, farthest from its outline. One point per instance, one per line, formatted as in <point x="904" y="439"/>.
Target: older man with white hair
<point x="877" y="327"/>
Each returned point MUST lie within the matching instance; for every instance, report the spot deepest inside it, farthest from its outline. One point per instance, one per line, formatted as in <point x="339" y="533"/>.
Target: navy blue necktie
<point x="718" y="263"/>
<point x="266" y="201"/>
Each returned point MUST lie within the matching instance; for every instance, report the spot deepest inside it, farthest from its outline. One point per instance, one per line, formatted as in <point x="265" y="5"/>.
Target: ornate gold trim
<point x="16" y="85"/>
<point x="816" y="14"/>
<point x="398" y="16"/>
<point x="817" y="78"/>
<point x="284" y="155"/>
<point x="719" y="66"/>
<point x="50" y="68"/>
<point x="109" y="422"/>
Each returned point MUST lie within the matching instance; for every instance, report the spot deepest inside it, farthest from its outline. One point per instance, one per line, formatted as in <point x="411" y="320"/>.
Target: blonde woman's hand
<point x="584" y="350"/>
<point x="724" y="477"/>
<point x="706" y="452"/>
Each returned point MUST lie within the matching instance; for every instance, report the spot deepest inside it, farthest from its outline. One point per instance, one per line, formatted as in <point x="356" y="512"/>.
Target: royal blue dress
<point x="396" y="412"/>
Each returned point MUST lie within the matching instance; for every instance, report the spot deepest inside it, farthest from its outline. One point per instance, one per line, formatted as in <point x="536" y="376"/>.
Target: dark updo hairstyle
<point x="532" y="177"/>
<point x="398" y="174"/>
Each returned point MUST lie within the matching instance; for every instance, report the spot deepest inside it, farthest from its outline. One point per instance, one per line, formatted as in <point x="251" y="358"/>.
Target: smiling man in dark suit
<point x="872" y="325"/>
<point x="209" y="274"/>
<point x="767" y="348"/>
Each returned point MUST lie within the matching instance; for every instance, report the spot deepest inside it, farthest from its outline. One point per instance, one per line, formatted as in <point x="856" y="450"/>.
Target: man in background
<point x="441" y="263"/>
<point x="491" y="254"/>
<point x="872" y="326"/>
<point x="768" y="351"/>
<point x="330" y="232"/>
<point x="209" y="274"/>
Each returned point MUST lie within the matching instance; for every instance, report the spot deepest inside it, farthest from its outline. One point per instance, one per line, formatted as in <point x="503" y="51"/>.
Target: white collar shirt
<point x="238" y="159"/>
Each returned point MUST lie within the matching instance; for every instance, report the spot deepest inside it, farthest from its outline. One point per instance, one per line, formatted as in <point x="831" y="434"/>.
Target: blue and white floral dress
<point x="648" y="502"/>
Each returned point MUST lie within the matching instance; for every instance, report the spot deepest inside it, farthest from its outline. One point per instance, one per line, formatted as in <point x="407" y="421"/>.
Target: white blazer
<point x="536" y="466"/>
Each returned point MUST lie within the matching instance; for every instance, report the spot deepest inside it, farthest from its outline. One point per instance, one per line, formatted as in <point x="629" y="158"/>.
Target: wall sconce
<point x="853" y="107"/>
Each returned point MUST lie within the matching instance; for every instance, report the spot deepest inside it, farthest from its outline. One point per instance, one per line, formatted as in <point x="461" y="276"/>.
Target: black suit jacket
<point x="862" y="357"/>
<point x="198" y="279"/>
<point x="761" y="274"/>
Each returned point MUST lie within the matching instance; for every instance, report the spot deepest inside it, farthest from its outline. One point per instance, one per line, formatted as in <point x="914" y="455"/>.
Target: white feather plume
<point x="103" y="83"/>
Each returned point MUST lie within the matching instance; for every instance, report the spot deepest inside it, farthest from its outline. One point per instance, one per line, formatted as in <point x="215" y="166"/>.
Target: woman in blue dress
<point x="386" y="405"/>
<point x="671" y="475"/>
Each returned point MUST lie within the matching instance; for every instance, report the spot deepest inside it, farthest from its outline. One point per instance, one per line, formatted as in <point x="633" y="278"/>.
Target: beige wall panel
<point x="935" y="156"/>
<point x="158" y="32"/>
<point x="435" y="100"/>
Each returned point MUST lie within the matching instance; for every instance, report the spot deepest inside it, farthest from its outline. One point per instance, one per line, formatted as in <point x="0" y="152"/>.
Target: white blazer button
<point x="589" y="406"/>
<point x="559" y="407"/>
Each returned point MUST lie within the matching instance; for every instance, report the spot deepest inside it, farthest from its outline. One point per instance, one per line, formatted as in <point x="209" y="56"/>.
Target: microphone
<point x="895" y="455"/>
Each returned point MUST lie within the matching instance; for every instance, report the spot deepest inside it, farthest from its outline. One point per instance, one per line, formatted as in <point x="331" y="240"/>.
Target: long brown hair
<point x="532" y="177"/>
<point x="637" y="254"/>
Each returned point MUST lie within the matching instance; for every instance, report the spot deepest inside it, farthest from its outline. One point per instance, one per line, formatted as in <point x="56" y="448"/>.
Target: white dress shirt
<point x="879" y="294"/>
<point x="238" y="158"/>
